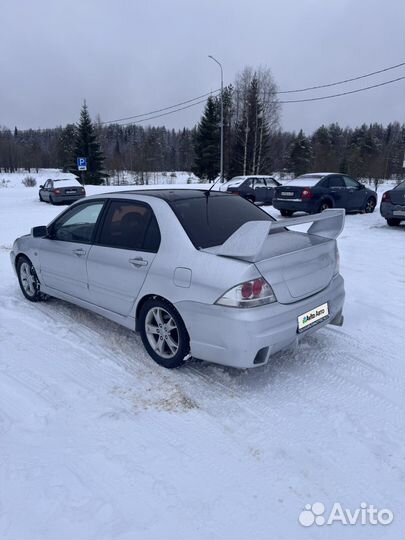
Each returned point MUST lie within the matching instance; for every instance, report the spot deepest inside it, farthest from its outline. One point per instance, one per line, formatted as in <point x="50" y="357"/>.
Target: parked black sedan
<point x="257" y="188"/>
<point x="61" y="191"/>
<point x="392" y="206"/>
<point x="313" y="193"/>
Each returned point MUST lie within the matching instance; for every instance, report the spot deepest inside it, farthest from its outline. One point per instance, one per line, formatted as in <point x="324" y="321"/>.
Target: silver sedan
<point x="199" y="274"/>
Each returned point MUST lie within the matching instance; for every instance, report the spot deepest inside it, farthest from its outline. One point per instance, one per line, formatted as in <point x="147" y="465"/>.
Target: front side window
<point x="130" y="225"/>
<point x="260" y="182"/>
<point x="350" y="183"/>
<point x="77" y="224"/>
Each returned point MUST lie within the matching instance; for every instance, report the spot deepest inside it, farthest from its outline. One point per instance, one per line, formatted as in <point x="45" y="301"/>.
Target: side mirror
<point x="39" y="232"/>
<point x="41" y="187"/>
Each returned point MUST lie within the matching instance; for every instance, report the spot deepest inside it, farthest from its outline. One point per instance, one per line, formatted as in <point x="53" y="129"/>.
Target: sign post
<point x="81" y="166"/>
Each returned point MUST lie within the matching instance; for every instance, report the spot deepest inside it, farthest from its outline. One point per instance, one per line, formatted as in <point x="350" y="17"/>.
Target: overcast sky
<point x="127" y="57"/>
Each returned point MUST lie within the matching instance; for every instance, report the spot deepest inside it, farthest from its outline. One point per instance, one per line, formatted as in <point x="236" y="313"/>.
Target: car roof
<point x="167" y="194"/>
<point x="320" y="174"/>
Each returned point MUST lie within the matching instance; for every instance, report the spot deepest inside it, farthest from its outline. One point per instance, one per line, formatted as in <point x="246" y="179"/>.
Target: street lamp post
<point x="222" y="117"/>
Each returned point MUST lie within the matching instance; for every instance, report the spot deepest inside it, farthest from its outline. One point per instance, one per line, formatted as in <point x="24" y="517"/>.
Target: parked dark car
<point x="313" y="193"/>
<point x="256" y="188"/>
<point x="61" y="191"/>
<point x="392" y="206"/>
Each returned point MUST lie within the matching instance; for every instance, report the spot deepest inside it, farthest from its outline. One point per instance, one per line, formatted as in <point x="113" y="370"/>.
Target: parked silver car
<point x="199" y="274"/>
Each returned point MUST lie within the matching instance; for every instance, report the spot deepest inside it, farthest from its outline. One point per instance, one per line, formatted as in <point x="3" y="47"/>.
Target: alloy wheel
<point x="29" y="279"/>
<point x="162" y="332"/>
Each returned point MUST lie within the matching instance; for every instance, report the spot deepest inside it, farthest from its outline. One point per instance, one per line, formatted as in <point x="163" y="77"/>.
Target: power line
<point x="344" y="93"/>
<point x="163" y="109"/>
<point x="197" y="100"/>
<point x="164" y="114"/>
<point x="341" y="82"/>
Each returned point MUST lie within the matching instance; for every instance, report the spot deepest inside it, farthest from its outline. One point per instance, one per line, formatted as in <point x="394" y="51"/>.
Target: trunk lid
<point x="297" y="265"/>
<point x="289" y="192"/>
<point x="397" y="196"/>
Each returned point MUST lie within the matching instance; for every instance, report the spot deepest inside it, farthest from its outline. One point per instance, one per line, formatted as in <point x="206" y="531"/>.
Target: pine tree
<point x="87" y="146"/>
<point x="301" y="154"/>
<point x="207" y="142"/>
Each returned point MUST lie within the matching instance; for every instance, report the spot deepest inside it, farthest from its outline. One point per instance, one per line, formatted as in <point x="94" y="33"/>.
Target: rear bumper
<point x="294" y="206"/>
<point x="68" y="198"/>
<point x="388" y="210"/>
<point x="236" y="337"/>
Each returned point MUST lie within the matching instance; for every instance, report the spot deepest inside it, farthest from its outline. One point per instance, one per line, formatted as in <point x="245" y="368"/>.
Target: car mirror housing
<point x="41" y="186"/>
<point x="39" y="232"/>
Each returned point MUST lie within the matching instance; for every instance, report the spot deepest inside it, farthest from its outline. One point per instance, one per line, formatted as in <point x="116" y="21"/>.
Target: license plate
<point x="399" y="212"/>
<point x="312" y="317"/>
<point x="70" y="191"/>
<point x="287" y="193"/>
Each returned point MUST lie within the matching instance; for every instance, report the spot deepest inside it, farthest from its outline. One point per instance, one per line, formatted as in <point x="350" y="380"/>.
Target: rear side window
<point x="335" y="181"/>
<point x="211" y="219"/>
<point x="130" y="225"/>
<point x="400" y="187"/>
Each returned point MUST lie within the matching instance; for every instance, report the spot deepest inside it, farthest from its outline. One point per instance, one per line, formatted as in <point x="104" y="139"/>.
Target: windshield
<point x="210" y="220"/>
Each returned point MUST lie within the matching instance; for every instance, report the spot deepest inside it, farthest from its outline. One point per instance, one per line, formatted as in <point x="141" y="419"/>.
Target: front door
<point x="122" y="255"/>
<point x="64" y="253"/>
<point x="356" y="194"/>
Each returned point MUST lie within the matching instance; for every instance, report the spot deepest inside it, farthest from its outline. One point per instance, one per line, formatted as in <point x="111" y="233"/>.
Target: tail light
<point x="82" y="190"/>
<point x="252" y="293"/>
<point x="386" y="197"/>
<point x="306" y="193"/>
<point x="56" y="191"/>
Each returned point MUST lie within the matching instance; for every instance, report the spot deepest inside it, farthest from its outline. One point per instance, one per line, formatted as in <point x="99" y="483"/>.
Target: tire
<point x="286" y="213"/>
<point x="324" y="206"/>
<point x="370" y="205"/>
<point x="28" y="280"/>
<point x="392" y="222"/>
<point x="163" y="333"/>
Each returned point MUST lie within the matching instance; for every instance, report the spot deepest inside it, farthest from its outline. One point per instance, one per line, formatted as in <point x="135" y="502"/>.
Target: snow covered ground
<point x="96" y="441"/>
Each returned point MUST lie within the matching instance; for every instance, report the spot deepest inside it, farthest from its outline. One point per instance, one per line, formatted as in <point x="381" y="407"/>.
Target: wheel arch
<point x="143" y="300"/>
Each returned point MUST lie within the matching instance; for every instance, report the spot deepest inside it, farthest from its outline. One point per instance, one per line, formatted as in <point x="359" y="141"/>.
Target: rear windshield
<point x="304" y="181"/>
<point x="210" y="220"/>
<point x="400" y="187"/>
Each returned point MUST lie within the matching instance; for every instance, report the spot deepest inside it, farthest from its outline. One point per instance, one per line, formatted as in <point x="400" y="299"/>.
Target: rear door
<point x="63" y="254"/>
<point x="336" y="188"/>
<point x="122" y="255"/>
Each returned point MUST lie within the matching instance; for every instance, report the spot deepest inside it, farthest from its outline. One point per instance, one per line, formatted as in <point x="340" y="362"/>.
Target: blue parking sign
<point x="81" y="164"/>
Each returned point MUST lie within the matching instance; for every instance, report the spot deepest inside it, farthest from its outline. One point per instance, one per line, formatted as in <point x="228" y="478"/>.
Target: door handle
<point x="79" y="252"/>
<point x="138" y="262"/>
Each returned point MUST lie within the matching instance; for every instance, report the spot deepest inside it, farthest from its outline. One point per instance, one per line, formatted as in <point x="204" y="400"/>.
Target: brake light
<point x="56" y="191"/>
<point x="252" y="293"/>
<point x="306" y="193"/>
<point x="386" y="197"/>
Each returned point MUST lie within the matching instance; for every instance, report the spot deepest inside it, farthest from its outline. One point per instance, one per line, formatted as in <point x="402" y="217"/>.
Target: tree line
<point x="253" y="142"/>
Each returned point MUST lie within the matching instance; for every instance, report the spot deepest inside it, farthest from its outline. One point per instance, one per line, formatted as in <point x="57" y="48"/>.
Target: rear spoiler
<point x="248" y="241"/>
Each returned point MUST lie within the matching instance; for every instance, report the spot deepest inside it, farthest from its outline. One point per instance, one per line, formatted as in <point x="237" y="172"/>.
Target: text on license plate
<point x="399" y="213"/>
<point x="70" y="191"/>
<point x="312" y="317"/>
<point x="287" y="193"/>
